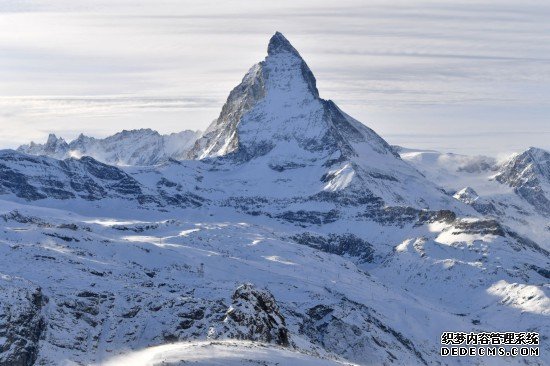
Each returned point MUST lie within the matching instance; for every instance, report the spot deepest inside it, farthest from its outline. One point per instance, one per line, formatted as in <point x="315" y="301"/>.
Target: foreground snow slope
<point x="299" y="228"/>
<point x="220" y="353"/>
<point x="103" y="285"/>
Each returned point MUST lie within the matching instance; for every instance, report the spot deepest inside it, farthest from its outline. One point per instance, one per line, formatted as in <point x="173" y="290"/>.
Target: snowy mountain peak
<point x="529" y="174"/>
<point x="54" y="140"/>
<point x="273" y="99"/>
<point x="279" y="44"/>
<point x="533" y="163"/>
<point x="275" y="121"/>
<point x="55" y="147"/>
<point x="466" y="194"/>
<point x="537" y="153"/>
<point x="285" y="62"/>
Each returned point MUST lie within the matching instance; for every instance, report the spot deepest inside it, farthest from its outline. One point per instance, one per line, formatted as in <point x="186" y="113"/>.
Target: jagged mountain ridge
<point x="135" y="147"/>
<point x="529" y="174"/>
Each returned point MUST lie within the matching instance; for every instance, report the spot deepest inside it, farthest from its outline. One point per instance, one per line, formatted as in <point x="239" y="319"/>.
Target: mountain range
<point x="287" y="230"/>
<point x="136" y="147"/>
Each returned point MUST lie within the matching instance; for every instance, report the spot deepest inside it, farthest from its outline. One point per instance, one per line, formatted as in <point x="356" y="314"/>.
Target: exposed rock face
<point x="221" y="138"/>
<point x="254" y="315"/>
<point x="523" y="168"/>
<point x="21" y="322"/>
<point x="33" y="178"/>
<point x="344" y="245"/>
<point x="351" y="329"/>
<point x="529" y="174"/>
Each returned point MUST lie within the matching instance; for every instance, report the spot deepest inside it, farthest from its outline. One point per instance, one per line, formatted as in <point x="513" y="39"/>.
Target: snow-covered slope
<point x="515" y="191"/>
<point x="220" y="353"/>
<point x="107" y="284"/>
<point x="136" y="147"/>
<point x="527" y="173"/>
<point x="295" y="226"/>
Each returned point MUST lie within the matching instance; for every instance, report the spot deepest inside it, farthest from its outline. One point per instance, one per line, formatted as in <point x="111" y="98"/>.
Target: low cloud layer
<point x="462" y="77"/>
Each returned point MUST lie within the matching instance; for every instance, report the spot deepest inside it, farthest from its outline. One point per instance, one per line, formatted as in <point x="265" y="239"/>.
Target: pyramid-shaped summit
<point x="277" y="100"/>
<point x="276" y="121"/>
<point x="279" y="44"/>
<point x="283" y="80"/>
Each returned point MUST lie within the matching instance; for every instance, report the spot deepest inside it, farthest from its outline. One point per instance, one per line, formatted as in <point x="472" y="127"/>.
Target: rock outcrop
<point x="255" y="316"/>
<point x="21" y="322"/>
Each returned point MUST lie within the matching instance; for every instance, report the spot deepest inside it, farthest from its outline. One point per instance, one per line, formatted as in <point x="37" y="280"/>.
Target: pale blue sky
<point x="459" y="76"/>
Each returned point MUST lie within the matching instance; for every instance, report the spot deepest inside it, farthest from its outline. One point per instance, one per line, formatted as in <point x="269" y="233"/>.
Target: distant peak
<point x="137" y="132"/>
<point x="82" y="138"/>
<point x="279" y="44"/>
<point x="467" y="192"/>
<point x="533" y="154"/>
<point x="53" y="140"/>
<point x="536" y="151"/>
